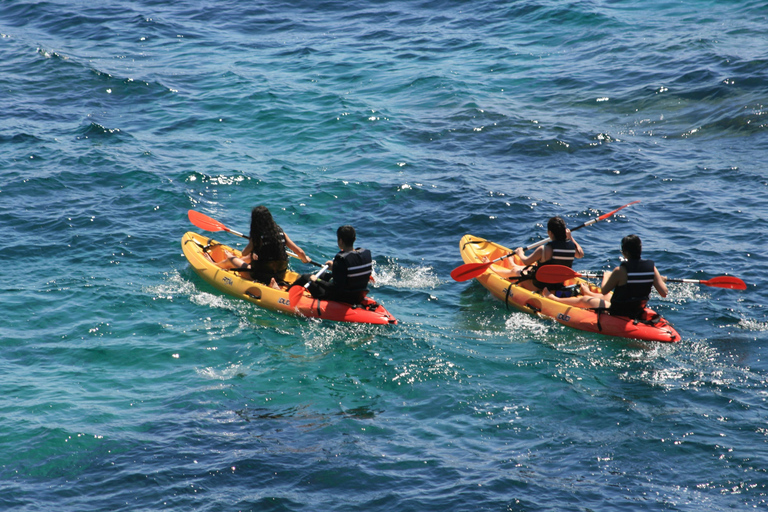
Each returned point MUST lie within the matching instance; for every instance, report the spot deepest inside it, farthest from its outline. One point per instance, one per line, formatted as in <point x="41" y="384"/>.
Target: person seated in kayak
<point x="265" y="256"/>
<point x="632" y="281"/>
<point x="350" y="271"/>
<point x="562" y="249"/>
<point x="631" y="284"/>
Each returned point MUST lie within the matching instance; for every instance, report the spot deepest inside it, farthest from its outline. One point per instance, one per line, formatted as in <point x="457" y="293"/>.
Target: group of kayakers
<point x="266" y="260"/>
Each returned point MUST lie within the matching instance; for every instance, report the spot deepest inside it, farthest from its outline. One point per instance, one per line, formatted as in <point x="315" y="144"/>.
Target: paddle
<point x="561" y="272"/>
<point x="209" y="224"/>
<point x="730" y="282"/>
<point x="555" y="273"/>
<point x="471" y="270"/>
<point x="295" y="293"/>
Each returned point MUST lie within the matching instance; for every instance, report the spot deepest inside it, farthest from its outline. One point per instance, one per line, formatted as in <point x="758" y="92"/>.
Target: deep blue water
<point x="129" y="384"/>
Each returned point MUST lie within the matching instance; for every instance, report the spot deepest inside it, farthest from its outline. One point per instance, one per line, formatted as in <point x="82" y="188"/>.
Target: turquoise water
<point x="129" y="384"/>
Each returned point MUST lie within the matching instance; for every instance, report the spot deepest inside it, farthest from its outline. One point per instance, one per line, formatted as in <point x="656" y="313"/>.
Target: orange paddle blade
<point x="207" y="223"/>
<point x="294" y="295"/>
<point x="469" y="271"/>
<point x="730" y="282"/>
<point x="609" y="214"/>
<point x="555" y="273"/>
<point x="296" y="292"/>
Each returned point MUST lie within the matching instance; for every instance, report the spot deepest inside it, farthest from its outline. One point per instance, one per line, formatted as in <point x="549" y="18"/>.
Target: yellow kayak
<point x="650" y="327"/>
<point x="201" y="252"/>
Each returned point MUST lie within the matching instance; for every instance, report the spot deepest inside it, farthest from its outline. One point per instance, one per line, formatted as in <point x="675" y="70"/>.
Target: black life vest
<point x="631" y="298"/>
<point x="563" y="253"/>
<point x="351" y="272"/>
<point x="355" y="270"/>
<point x="272" y="259"/>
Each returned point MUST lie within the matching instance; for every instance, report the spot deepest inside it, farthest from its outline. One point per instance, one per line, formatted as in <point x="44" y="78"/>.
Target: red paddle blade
<point x="294" y="295"/>
<point x="555" y="273"/>
<point x="605" y="216"/>
<point x="730" y="282"/>
<point x="205" y="222"/>
<point x="469" y="271"/>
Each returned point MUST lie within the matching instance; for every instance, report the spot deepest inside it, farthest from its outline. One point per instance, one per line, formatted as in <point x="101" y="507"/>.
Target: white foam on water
<point x="172" y="285"/>
<point x="528" y="325"/>
<point x="750" y="324"/>
<point x="229" y="372"/>
<point x="397" y="276"/>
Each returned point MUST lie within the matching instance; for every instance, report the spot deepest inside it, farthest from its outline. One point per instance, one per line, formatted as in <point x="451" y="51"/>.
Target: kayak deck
<point x="202" y="251"/>
<point x="650" y="327"/>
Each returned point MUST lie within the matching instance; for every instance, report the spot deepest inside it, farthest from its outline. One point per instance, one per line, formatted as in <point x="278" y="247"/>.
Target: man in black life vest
<point x="631" y="282"/>
<point x="350" y="271"/>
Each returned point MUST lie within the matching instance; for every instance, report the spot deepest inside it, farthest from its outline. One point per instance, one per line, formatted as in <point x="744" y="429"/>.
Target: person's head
<point x="262" y="225"/>
<point x="632" y="247"/>
<point x="346" y="235"/>
<point x="557" y="226"/>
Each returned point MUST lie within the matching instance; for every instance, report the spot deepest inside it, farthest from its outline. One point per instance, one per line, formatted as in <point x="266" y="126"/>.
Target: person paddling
<point x="631" y="284"/>
<point x="562" y="249"/>
<point x="632" y="281"/>
<point x="265" y="256"/>
<point x="350" y="271"/>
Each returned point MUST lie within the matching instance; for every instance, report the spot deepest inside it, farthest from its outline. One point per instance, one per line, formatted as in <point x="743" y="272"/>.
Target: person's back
<point x="270" y="258"/>
<point x="267" y="241"/>
<point x="351" y="273"/>
<point x="561" y="250"/>
<point x="265" y="258"/>
<point x="631" y="298"/>
<point x="632" y="282"/>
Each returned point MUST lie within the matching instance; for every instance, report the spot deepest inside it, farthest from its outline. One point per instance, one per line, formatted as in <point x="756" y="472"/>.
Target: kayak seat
<point x="568" y="291"/>
<point x="476" y="242"/>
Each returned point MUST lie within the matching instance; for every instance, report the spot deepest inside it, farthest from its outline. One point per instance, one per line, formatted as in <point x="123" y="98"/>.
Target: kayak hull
<point x="651" y="327"/>
<point x="201" y="252"/>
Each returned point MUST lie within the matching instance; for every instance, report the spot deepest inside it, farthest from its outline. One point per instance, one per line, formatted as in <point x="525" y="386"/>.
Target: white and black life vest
<point x="633" y="296"/>
<point x="563" y="253"/>
<point x="352" y="270"/>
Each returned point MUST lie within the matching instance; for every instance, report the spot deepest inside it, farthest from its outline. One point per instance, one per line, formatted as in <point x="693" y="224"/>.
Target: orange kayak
<point x="201" y="252"/>
<point x="651" y="326"/>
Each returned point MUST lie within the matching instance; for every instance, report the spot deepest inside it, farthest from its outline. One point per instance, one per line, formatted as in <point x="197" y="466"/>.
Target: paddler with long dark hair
<point x="265" y="255"/>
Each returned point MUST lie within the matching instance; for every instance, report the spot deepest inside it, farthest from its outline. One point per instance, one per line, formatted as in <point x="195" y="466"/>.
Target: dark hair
<point x="557" y="226"/>
<point x="263" y="227"/>
<point x="632" y="246"/>
<point x="346" y="234"/>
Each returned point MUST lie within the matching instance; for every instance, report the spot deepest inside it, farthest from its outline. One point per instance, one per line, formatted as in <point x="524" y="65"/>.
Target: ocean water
<point x="129" y="384"/>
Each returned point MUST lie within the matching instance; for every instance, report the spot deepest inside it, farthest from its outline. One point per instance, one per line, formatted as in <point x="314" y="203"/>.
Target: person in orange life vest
<point x="562" y="249"/>
<point x="350" y="271"/>
<point x="265" y="255"/>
